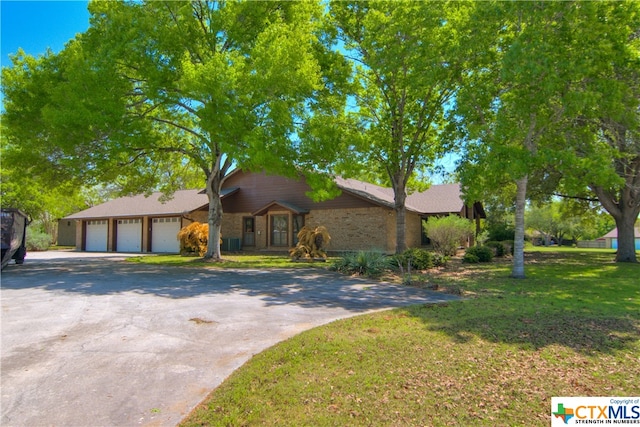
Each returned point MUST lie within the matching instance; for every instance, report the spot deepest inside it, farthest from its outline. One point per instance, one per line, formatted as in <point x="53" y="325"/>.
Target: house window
<point x="279" y="230"/>
<point x="248" y="231"/>
<point x="298" y="223"/>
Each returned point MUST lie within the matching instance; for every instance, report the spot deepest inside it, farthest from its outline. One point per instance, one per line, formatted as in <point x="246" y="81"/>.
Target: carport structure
<point x="139" y="223"/>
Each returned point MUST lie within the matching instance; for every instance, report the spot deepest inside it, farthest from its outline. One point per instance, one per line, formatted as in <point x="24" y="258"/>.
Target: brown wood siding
<point x="259" y="189"/>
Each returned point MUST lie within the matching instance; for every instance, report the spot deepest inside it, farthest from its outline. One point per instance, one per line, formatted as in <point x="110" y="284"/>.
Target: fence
<point x="593" y="244"/>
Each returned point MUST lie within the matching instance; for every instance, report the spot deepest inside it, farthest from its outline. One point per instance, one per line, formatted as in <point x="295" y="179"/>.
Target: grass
<point x="572" y="328"/>
<point x="229" y="261"/>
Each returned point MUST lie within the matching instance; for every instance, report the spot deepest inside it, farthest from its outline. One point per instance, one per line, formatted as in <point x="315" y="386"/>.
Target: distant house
<point x="611" y="239"/>
<point x="265" y="212"/>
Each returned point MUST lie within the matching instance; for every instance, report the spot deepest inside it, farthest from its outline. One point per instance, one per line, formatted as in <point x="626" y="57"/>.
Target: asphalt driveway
<point x="96" y="341"/>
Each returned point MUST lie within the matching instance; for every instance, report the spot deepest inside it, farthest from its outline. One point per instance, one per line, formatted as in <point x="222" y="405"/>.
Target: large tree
<point x="604" y="154"/>
<point x="558" y="107"/>
<point x="215" y="84"/>
<point x="409" y="59"/>
<point x="512" y="109"/>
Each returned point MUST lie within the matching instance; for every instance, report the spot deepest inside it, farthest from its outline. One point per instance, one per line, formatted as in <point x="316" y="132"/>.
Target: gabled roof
<point x="438" y="199"/>
<point x="288" y="206"/>
<point x="182" y="201"/>
<point x="614" y="233"/>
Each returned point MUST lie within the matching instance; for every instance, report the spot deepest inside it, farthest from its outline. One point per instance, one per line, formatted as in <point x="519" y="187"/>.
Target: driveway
<point x="93" y="340"/>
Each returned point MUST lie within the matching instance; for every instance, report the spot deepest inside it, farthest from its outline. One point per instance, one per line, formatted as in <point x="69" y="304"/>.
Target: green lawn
<point x="572" y="328"/>
<point x="250" y="260"/>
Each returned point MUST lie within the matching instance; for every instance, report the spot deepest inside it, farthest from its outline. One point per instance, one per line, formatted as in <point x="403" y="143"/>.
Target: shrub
<point x="194" y="238"/>
<point x="448" y="233"/>
<point x="500" y="231"/>
<point x="38" y="240"/>
<point x="498" y="248"/>
<point x="364" y="263"/>
<point x="311" y="243"/>
<point x="440" y="260"/>
<point x="420" y="259"/>
<point x="470" y="258"/>
<point x="483" y="253"/>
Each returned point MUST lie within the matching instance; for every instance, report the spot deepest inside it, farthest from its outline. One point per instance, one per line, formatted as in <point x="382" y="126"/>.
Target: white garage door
<point x="164" y="235"/>
<point x="129" y="237"/>
<point x="97" y="235"/>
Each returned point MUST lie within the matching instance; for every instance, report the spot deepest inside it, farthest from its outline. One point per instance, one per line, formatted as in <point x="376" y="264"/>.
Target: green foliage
<point x="482" y="253"/>
<point x="470" y="258"/>
<point x="448" y="233"/>
<point x="402" y="88"/>
<point x="363" y="263"/>
<point x="420" y="259"/>
<point x="440" y="260"/>
<point x="37" y="240"/>
<point x="498" y="247"/>
<point x="155" y="87"/>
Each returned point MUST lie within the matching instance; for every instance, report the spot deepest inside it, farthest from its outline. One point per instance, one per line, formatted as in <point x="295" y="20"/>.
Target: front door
<point x="248" y="231"/>
<point x="279" y="230"/>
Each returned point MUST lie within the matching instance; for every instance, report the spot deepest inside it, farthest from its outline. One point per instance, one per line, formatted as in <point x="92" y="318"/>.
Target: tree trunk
<point x="626" y="238"/>
<point x="624" y="207"/>
<point x="214" y="186"/>
<point x="400" y="197"/>
<point x="518" y="244"/>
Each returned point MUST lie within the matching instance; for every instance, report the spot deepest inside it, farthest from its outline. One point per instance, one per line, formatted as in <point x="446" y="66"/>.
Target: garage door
<point x="96" y="239"/>
<point x="129" y="235"/>
<point x="164" y="235"/>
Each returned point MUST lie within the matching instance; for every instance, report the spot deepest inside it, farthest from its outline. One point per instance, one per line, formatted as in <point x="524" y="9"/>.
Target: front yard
<point x="572" y="328"/>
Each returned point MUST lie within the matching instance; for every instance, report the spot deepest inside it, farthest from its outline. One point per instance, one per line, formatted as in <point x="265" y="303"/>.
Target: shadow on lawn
<point x="581" y="333"/>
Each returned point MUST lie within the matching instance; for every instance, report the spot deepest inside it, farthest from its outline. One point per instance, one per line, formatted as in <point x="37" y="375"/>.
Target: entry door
<point x="248" y="231"/>
<point x="279" y="230"/>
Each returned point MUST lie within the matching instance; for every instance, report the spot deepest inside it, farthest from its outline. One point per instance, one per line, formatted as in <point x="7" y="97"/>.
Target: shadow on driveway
<point x="305" y="288"/>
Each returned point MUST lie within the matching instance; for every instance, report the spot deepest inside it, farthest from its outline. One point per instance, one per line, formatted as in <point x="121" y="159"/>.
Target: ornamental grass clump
<point x="363" y="263"/>
<point x="194" y="238"/>
<point x="311" y="243"/>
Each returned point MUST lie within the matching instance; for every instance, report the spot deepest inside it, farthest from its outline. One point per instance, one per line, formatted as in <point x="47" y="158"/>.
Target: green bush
<point x="364" y="263"/>
<point x="483" y="253"/>
<point x="448" y="233"/>
<point x="498" y="248"/>
<point x="420" y="259"/>
<point x="38" y="240"/>
<point x="440" y="260"/>
<point x="470" y="258"/>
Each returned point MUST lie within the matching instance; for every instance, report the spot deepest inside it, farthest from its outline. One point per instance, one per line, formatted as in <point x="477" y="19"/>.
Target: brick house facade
<point x="264" y="212"/>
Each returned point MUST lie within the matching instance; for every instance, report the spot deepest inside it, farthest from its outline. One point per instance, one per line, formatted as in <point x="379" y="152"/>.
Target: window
<point x="279" y="230"/>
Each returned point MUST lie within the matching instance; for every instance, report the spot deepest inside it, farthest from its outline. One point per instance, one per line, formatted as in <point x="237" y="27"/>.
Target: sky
<point x="35" y="26"/>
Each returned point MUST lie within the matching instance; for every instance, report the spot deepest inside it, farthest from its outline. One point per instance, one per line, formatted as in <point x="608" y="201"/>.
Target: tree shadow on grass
<point x="583" y="332"/>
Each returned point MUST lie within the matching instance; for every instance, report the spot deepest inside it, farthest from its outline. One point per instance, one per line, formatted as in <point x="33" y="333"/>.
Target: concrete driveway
<point x="95" y="341"/>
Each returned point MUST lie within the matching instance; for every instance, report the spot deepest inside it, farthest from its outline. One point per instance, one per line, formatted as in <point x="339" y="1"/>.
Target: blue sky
<point x="37" y="25"/>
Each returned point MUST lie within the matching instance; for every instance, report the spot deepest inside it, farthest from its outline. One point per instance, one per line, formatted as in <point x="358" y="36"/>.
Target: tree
<point x="214" y="84"/>
<point x="605" y="105"/>
<point x="512" y="110"/>
<point x="409" y="59"/>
